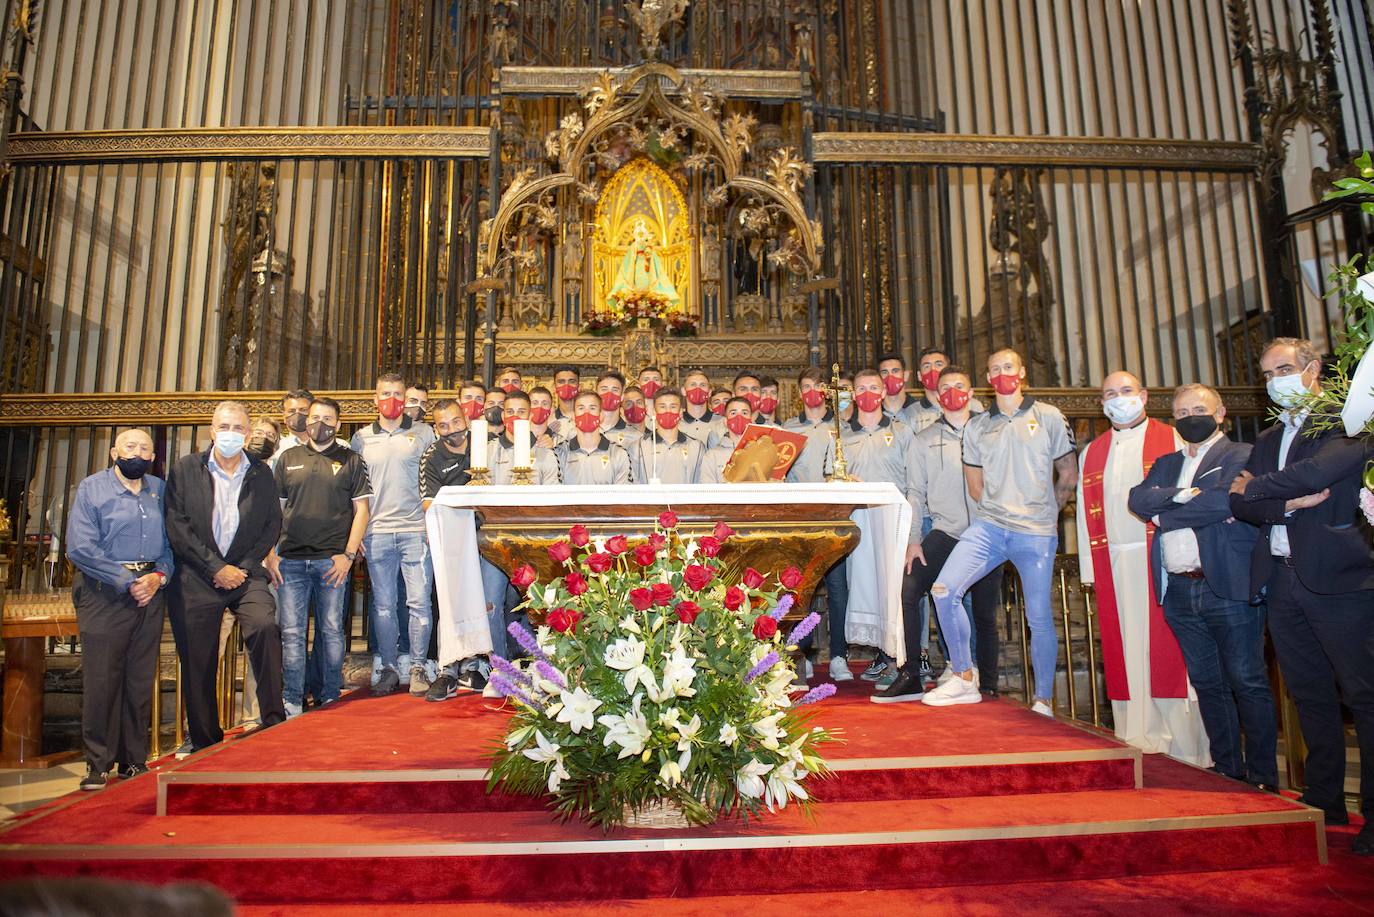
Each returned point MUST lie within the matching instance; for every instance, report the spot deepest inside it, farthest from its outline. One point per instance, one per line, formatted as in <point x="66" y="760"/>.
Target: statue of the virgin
<point x="641" y="271"/>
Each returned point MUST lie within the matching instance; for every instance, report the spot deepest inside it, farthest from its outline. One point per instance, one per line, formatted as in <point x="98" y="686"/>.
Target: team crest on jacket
<point x="1032" y="425"/>
<point x="336" y="466"/>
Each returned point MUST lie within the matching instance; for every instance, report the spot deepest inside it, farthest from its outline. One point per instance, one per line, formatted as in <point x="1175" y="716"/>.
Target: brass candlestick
<point x="479" y="477"/>
<point x="522" y="475"/>
<point x="839" y="469"/>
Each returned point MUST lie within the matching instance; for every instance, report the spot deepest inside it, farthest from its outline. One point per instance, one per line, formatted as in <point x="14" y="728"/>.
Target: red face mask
<point x="953" y="399"/>
<point x="391" y="408"/>
<point x="868" y="402"/>
<point x="930" y="378"/>
<point x="610" y="401"/>
<point x="667" y="420"/>
<point x="510" y="387"/>
<point x="737" y="424"/>
<point x="1004" y="384"/>
<point x="893" y="384"/>
<point x="719" y="410"/>
<point x="587" y="423"/>
<point x="650" y="388"/>
<point x="635" y="413"/>
<point x="509" y="424"/>
<point x="566" y="392"/>
<point x="813" y="398"/>
<point x="752" y="398"/>
<point x="768" y="404"/>
<point x="472" y="409"/>
<point x="698" y="395"/>
<point x="539" y="416"/>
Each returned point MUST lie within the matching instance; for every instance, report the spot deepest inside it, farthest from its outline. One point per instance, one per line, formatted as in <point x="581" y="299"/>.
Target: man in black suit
<point x="1315" y="565"/>
<point x="1200" y="562"/>
<point x="223" y="517"/>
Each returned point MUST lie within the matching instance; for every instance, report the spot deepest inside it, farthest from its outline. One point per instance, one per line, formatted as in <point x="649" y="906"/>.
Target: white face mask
<point x="1285" y="391"/>
<point x="1123" y="408"/>
<point x="228" y="443"/>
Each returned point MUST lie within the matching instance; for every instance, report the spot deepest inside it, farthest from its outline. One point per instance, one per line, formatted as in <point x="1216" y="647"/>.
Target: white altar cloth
<point x="884" y="519"/>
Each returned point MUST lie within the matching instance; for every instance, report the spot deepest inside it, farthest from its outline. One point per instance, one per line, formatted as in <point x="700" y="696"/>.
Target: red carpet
<point x="380" y="801"/>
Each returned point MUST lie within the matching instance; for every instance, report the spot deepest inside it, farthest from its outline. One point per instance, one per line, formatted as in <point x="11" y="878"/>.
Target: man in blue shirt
<point x="116" y="541"/>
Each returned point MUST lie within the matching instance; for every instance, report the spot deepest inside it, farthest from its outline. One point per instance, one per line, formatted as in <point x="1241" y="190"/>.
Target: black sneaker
<point x="1363" y="845"/>
<point x="388" y="683"/>
<point x="926" y="672"/>
<point x="905" y="689"/>
<point x="876" y="668"/>
<point x="443" y="688"/>
<point x="94" y="779"/>
<point x="472" y="680"/>
<point x="133" y="770"/>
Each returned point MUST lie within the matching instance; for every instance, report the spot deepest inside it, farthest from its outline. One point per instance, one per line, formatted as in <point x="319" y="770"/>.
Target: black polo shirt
<point x="319" y="488"/>
<point x="442" y="467"/>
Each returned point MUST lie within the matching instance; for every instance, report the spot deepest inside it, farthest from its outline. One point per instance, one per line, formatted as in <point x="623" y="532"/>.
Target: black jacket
<point x="1330" y="542"/>
<point x="190" y="518"/>
<point x="1224" y="543"/>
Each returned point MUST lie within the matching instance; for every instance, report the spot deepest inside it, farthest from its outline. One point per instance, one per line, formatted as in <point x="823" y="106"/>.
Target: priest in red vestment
<point x="1153" y="705"/>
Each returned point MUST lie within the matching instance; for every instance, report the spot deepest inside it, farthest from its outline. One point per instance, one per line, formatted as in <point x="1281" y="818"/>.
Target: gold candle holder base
<point x="480" y="477"/>
<point x="522" y="476"/>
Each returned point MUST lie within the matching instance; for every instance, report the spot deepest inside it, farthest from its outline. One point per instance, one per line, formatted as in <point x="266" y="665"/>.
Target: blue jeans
<point x="1223" y="647"/>
<point x="981" y="549"/>
<point x="407" y="553"/>
<point x="836" y="602"/>
<point x="302" y="587"/>
<point x="494" y="585"/>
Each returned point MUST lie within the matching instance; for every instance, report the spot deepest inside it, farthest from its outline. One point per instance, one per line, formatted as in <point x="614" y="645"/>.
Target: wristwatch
<point x="350" y="555"/>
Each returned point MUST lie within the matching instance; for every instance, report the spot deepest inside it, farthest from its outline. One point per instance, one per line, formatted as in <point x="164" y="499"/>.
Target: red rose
<point x="657" y="541"/>
<point x="722" y="531"/>
<point x="522" y="577"/>
<point x="644" y="554"/>
<point x="560" y="551"/>
<point x="734" y="598"/>
<point x="663" y="594"/>
<point x="575" y="583"/>
<point x="579" y="535"/>
<point x="687" y="611"/>
<point x="753" y="579"/>
<point x="790" y="578"/>
<point x="564" y="620"/>
<point x="709" y="546"/>
<point x="765" y="627"/>
<point x="667" y="519"/>
<point x="617" y="545"/>
<point x="641" y="598"/>
<point x="599" y="563"/>
<point x="697" y="576"/>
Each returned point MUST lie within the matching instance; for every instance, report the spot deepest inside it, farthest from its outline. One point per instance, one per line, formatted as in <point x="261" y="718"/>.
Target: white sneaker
<point x="490" y="691"/>
<point x="403" y="666"/>
<point x="808" y="671"/>
<point x="1043" y="709"/>
<point x="839" y="669"/>
<point x="955" y="691"/>
<point x="946" y="675"/>
<point x="376" y="669"/>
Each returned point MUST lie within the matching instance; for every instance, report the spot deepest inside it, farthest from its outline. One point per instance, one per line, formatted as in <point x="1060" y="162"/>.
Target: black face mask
<point x="455" y="440"/>
<point x="261" y="448"/>
<point x="320" y="432"/>
<point x="416" y="414"/>
<point x="494" y="416"/>
<point x="295" y="423"/>
<point x="134" y="467"/>
<point x="1196" y="428"/>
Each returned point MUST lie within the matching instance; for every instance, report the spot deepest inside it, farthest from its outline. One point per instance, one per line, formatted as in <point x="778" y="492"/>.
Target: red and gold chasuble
<point x="1168" y="676"/>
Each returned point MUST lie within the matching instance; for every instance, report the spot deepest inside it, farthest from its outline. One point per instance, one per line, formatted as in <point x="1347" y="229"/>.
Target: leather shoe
<point x="1266" y="788"/>
<point x="1333" y="816"/>
<point x="1363" y="845"/>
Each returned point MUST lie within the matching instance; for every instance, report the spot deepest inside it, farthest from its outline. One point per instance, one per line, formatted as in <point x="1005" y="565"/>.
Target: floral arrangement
<point x="653" y="681"/>
<point x="641" y="304"/>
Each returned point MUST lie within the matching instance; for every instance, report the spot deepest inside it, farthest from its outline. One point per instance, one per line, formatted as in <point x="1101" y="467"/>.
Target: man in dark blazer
<point x="223" y="517"/>
<point x="1315" y="565"/>
<point x="1200" y="566"/>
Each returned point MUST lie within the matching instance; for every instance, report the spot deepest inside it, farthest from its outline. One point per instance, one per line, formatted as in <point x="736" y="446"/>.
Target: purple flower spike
<point x="783" y="607"/>
<point x="506" y="689"/>
<point x="549" y="673"/>
<point x="820" y="692"/>
<point x="526" y="640"/>
<point x="508" y="669"/>
<point x="764" y="664"/>
<point x="803" y="629"/>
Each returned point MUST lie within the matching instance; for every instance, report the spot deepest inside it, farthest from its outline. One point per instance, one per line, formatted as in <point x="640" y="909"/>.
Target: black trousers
<point x="196" y="609"/>
<point x="1325" y="648"/>
<point x="986" y="593"/>
<point x="119" y="646"/>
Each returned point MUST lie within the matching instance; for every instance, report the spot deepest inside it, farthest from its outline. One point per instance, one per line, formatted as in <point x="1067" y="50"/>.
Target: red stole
<point x="1168" y="676"/>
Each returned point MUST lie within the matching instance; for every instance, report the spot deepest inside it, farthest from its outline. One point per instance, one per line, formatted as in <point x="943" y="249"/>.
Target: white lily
<point x="767" y="729"/>
<point x="691" y="549"/>
<point x="518" y="736"/>
<point x="557" y="774"/>
<point x="543" y="636"/>
<point x="630" y="731"/>
<point x="670" y="773"/>
<point x="625" y="653"/>
<point x="679" y="671"/>
<point x="783" y="784"/>
<point x="630" y="624"/>
<point x="749" y="779"/>
<point x="545" y="751"/>
<point x="578" y="708"/>
<point x="687" y="734"/>
<point x="550" y="595"/>
<point x="599" y="544"/>
<point x="645" y="676"/>
<point x="729" y="735"/>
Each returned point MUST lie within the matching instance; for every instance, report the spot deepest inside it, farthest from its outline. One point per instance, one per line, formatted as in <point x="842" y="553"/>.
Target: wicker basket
<point x="661" y="814"/>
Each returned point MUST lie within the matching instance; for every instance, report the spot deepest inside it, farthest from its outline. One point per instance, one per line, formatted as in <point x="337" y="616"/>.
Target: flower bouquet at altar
<point x="640" y="306"/>
<point x="655" y="684"/>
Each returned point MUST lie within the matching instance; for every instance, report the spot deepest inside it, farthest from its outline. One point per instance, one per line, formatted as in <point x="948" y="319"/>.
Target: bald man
<point x="116" y="541"/>
<point x="1153" y="706"/>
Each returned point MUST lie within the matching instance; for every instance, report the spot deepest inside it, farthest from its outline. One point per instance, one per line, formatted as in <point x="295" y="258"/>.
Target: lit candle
<point x="522" y="443"/>
<point x="477" y="435"/>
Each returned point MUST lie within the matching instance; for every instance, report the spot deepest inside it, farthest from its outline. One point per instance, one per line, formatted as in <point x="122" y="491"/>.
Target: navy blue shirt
<point x="110" y="525"/>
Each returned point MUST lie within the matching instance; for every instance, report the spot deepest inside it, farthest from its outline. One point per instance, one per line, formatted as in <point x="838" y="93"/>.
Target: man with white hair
<point x="1153" y="705"/>
<point x="116" y="541"/>
<point x="223" y="519"/>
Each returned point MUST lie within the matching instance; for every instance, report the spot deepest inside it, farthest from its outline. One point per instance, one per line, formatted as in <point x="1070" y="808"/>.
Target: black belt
<point x="139" y="566"/>
<point x="1284" y="561"/>
<point x="1190" y="574"/>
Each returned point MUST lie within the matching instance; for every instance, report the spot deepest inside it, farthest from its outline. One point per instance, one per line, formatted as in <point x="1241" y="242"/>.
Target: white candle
<point x="477" y="435"/>
<point x="522" y="443"/>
